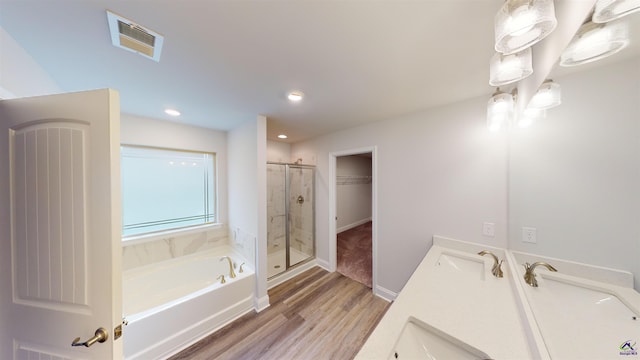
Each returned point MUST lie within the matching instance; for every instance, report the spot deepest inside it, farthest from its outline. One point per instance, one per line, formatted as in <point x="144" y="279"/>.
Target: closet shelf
<point x="353" y="179"/>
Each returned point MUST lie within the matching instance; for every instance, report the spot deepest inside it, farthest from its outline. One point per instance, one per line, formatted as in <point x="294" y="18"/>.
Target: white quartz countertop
<point x="473" y="306"/>
<point x="454" y="295"/>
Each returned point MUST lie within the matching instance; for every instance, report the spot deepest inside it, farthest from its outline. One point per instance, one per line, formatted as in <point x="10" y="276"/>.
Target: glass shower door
<point x="277" y="219"/>
<point x="301" y="214"/>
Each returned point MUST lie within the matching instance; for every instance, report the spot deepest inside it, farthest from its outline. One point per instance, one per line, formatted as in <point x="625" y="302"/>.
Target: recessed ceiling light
<point x="172" y="112"/>
<point x="282" y="136"/>
<point x="295" y="96"/>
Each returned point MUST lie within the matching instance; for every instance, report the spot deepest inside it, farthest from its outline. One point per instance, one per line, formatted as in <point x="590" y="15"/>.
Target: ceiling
<point x="225" y="62"/>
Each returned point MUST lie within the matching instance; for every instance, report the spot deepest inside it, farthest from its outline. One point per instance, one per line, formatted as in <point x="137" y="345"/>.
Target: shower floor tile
<point x="276" y="261"/>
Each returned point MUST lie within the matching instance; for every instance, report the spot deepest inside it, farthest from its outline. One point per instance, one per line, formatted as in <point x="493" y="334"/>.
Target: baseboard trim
<point x="385" y="293"/>
<point x="352" y="225"/>
<point x="261" y="303"/>
<point x="323" y="264"/>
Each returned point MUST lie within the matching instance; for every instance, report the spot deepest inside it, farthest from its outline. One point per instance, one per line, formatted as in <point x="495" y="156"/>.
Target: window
<point x="166" y="189"/>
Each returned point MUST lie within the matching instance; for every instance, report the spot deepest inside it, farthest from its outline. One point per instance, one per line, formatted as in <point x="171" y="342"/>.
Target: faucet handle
<point x="497" y="270"/>
<point x="221" y="278"/>
<point x="241" y="269"/>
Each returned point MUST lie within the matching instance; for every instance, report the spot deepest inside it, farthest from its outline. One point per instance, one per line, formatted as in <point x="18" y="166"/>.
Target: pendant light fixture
<point x="521" y="23"/>
<point x="499" y="110"/>
<point x="529" y="115"/>
<point x="547" y="96"/>
<point x="607" y="10"/>
<point x="595" y="41"/>
<point x="506" y="69"/>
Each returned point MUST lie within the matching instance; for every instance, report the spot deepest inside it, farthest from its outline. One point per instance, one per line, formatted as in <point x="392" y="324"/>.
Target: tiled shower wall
<point x="276" y="217"/>
<point x="301" y="215"/>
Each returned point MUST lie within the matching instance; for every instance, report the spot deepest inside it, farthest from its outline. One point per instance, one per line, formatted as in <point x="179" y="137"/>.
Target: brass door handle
<point x="101" y="336"/>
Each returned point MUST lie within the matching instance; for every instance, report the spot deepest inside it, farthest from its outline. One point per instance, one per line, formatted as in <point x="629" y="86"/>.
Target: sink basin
<point x="564" y="308"/>
<point x="463" y="264"/>
<point x="419" y="340"/>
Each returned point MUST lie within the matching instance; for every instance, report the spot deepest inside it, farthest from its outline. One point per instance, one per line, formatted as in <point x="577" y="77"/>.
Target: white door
<point x="60" y="250"/>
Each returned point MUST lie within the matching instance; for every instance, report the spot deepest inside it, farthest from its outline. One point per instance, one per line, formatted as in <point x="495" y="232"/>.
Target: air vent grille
<point x="136" y="32"/>
<point x="128" y="35"/>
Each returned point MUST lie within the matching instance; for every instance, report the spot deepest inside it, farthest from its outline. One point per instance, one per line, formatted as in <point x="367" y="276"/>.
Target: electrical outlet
<point x="529" y="235"/>
<point x="489" y="229"/>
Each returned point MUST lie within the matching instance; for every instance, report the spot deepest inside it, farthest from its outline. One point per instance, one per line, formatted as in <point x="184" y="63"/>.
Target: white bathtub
<point x="170" y="305"/>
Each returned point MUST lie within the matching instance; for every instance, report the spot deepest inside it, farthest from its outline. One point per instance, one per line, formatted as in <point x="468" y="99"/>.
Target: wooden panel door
<point x="60" y="225"/>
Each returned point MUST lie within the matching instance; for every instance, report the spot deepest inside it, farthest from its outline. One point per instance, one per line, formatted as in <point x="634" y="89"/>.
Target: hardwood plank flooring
<point x="316" y="315"/>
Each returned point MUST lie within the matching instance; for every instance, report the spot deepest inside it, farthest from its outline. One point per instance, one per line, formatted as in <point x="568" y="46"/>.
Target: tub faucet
<point x="232" y="273"/>
<point x="496" y="270"/>
<point x="530" y="276"/>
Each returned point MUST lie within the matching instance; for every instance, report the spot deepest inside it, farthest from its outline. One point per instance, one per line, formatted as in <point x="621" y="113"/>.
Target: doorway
<point x="353" y="208"/>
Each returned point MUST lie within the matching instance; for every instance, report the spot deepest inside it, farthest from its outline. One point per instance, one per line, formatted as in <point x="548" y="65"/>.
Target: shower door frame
<point x="287" y="205"/>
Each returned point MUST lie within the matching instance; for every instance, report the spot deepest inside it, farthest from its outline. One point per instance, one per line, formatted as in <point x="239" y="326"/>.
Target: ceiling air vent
<point x="128" y="35"/>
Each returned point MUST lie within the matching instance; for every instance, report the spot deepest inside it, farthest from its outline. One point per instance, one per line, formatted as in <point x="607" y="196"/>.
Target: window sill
<point x="145" y="238"/>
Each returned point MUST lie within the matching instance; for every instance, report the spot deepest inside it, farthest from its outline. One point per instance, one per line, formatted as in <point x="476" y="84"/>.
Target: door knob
<point x="100" y="336"/>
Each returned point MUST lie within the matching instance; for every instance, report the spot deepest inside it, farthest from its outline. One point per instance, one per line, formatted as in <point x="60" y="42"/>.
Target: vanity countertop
<point x="454" y="291"/>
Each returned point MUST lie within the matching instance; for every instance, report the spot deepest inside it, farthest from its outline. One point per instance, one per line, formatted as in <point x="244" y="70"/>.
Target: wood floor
<point x="316" y="315"/>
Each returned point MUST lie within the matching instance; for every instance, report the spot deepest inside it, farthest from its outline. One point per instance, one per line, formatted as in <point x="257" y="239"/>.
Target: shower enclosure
<point x="290" y="216"/>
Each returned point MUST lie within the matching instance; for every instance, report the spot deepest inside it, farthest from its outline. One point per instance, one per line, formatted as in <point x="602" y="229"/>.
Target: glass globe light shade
<point x="506" y="69"/>
<point x="521" y="23"/>
<point x="607" y="10"/>
<point x="530" y="115"/>
<point x="595" y="41"/>
<point x="499" y="110"/>
<point x="548" y="95"/>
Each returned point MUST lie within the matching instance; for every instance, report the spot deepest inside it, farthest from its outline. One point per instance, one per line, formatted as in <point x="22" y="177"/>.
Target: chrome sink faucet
<point x="530" y="276"/>
<point x="496" y="270"/>
<point x="232" y="273"/>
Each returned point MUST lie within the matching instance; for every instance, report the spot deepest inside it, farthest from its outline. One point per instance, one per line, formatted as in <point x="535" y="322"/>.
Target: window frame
<point x="180" y="230"/>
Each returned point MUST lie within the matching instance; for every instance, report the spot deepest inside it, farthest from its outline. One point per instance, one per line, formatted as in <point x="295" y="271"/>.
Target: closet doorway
<point x="353" y="208"/>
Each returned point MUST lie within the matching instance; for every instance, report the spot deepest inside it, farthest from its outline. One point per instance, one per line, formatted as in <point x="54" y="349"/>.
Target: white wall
<point x="353" y="196"/>
<point x="575" y="176"/>
<point x="20" y="75"/>
<point x="247" y="171"/>
<point x="439" y="172"/>
<point x="278" y="152"/>
<point x="136" y="130"/>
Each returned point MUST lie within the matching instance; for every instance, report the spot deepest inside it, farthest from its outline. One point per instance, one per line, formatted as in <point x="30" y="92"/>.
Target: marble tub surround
<point x="145" y="250"/>
<point x="243" y="242"/>
<point x="453" y="291"/>
<point x="582" y="311"/>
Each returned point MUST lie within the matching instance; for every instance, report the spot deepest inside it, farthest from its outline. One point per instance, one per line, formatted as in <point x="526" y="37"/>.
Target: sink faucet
<point x="232" y="273"/>
<point x="530" y="276"/>
<point x="496" y="270"/>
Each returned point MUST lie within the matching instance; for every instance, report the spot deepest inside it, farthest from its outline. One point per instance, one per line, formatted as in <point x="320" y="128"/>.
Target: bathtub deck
<point x="316" y="315"/>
